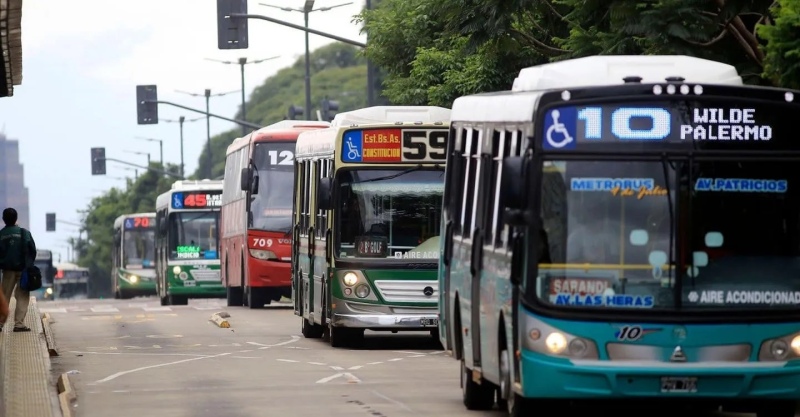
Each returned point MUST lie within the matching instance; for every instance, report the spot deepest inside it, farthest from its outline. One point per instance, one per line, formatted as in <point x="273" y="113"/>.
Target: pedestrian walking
<point x="17" y="252"/>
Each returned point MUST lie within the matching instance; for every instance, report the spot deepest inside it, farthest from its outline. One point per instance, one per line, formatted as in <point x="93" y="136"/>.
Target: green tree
<point x="782" y="50"/>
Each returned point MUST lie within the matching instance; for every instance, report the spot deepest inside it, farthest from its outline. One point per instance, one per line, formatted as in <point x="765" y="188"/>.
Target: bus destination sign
<point x="132" y="223"/>
<point x="575" y="127"/>
<point x="394" y="145"/>
<point x="189" y="200"/>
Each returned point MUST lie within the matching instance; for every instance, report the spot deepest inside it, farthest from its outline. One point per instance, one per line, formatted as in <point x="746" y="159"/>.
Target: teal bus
<point x="367" y="205"/>
<point x="133" y="257"/>
<point x="624" y="228"/>
<point x="187" y="242"/>
<point x="44" y="261"/>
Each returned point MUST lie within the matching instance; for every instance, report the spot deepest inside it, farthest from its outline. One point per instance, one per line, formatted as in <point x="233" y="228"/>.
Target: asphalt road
<point x="137" y="358"/>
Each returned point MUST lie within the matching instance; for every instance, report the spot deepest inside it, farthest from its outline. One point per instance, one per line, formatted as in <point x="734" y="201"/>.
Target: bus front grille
<point x="205" y="274"/>
<point x="408" y="291"/>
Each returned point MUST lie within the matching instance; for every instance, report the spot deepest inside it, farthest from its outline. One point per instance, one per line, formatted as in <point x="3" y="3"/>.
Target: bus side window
<point x="318" y="171"/>
<point x="492" y="195"/>
<point x="468" y="201"/>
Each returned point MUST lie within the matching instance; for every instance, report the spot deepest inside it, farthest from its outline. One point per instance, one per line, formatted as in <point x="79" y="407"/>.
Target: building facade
<point x="13" y="192"/>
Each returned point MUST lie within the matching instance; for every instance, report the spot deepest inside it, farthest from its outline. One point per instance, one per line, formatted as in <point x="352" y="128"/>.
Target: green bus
<point x="367" y="206"/>
<point x="133" y="258"/>
<point x="187" y="242"/>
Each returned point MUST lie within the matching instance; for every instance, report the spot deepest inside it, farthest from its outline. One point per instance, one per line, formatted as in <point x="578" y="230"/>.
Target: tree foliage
<point x="436" y="50"/>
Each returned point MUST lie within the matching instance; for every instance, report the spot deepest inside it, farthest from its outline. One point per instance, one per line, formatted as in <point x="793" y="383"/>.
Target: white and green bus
<point x="133" y="257"/>
<point x="187" y="242"/>
<point x="368" y="200"/>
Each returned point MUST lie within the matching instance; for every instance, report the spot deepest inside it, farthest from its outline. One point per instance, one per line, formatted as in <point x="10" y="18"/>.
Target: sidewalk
<point x="28" y="388"/>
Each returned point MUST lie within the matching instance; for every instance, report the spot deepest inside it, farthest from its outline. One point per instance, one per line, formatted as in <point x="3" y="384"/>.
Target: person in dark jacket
<point x="17" y="252"/>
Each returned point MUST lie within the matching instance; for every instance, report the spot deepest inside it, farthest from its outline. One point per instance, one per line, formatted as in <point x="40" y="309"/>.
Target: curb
<point x="48" y="335"/>
<point x="219" y="319"/>
<point x="65" y="395"/>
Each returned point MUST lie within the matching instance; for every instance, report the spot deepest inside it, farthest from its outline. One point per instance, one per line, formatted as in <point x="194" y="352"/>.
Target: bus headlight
<point x="780" y="348"/>
<point x="362" y="291"/>
<point x="264" y="255"/>
<point x="556" y="343"/>
<point x="795" y="345"/>
<point x="176" y="270"/>
<point x="49" y="290"/>
<point x="134" y="279"/>
<point x="350" y="279"/>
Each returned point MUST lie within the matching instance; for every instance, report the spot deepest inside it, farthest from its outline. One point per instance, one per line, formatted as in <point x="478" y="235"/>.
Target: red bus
<point x="256" y="217"/>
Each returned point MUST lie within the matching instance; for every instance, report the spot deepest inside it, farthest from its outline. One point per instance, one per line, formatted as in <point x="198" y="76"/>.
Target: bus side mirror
<point x="512" y="191"/>
<point x="324" y="193"/>
<point x="117" y="237"/>
<point x="245" y="176"/>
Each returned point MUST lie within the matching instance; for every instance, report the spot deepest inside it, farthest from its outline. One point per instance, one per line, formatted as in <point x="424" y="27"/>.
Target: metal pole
<point x="135" y="174"/>
<point x="242" y="62"/>
<point x="180" y="122"/>
<point x="208" y="131"/>
<point x="370" y="73"/>
<point x="161" y="150"/>
<point x="308" y="70"/>
<point x="148" y="159"/>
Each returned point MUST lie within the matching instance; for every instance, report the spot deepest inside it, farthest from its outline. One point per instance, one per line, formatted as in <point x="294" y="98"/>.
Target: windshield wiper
<point x="393" y="176"/>
<point x="665" y="165"/>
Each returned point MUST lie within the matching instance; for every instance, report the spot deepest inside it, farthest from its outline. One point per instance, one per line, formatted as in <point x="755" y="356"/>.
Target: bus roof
<point x="518" y="104"/>
<point x="392" y="114"/>
<point x="119" y="220"/>
<point x="285" y="129"/>
<point x="612" y="69"/>
<point x="68" y="266"/>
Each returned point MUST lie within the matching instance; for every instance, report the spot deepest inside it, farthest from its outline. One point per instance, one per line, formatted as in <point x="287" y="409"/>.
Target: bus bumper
<point x="365" y="316"/>
<point x="552" y="377"/>
<point x="269" y="274"/>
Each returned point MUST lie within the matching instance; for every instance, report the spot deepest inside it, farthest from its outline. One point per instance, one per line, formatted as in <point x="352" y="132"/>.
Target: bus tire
<point x="311" y="330"/>
<point x="164" y="300"/>
<point x="476" y="396"/>
<point x="178" y="300"/>
<point x="344" y="337"/>
<point x="234" y="296"/>
<point x="256" y="298"/>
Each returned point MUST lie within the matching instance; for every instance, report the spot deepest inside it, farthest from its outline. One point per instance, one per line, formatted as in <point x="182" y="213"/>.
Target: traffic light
<point x="98" y="161"/>
<point x="295" y="111"/>
<point x="146" y="104"/>
<point x="50" y="221"/>
<point x="329" y="109"/>
<point x="231" y="31"/>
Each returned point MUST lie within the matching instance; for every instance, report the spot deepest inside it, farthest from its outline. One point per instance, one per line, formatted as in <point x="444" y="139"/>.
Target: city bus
<point x="44" y="261"/>
<point x="367" y="205"/>
<point x="624" y="228"/>
<point x="256" y="215"/>
<point x="187" y="242"/>
<point x="133" y="258"/>
<point x="71" y="282"/>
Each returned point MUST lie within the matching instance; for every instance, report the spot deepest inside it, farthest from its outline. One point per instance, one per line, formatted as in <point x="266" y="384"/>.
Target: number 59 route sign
<point x="394" y="145"/>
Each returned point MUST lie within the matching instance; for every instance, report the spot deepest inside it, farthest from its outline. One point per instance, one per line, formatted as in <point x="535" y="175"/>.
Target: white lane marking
<point x="52" y="310"/>
<point x="316" y="363"/>
<point x="160" y="308"/>
<point x="374" y="363"/>
<point x="206" y="308"/>
<point x="137" y="305"/>
<point x="337" y="368"/>
<point x="350" y="378"/>
<point x="123" y="373"/>
<point x="393" y="401"/>
<point x="417" y="356"/>
<point x="263" y="346"/>
<point x="287" y="360"/>
<point x="353" y="368"/>
<point x="246" y="357"/>
<point x="408" y="352"/>
<point x="395" y="359"/>
<point x="140" y="354"/>
<point x="245" y="351"/>
<point x="104" y="309"/>
<point x="436" y="353"/>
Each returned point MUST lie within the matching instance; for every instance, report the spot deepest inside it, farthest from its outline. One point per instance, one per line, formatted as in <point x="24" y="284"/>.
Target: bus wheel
<point x="177" y="300"/>
<point x="312" y="330"/>
<point x="256" y="298"/>
<point x="344" y="337"/>
<point x="164" y="300"/>
<point x="476" y="396"/>
<point x="234" y="295"/>
<point x="117" y="294"/>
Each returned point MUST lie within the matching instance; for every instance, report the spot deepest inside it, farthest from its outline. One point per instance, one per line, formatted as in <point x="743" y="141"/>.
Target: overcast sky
<point x="81" y="62"/>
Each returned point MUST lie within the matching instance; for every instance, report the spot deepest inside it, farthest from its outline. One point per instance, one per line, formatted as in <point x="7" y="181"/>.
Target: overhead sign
<point x="394" y="145"/>
<point x="721" y="297"/>
<point x="741" y="185"/>
<point x="132" y="223"/>
<point x="188" y="200"/>
<point x="270" y="155"/>
<point x="575" y="127"/>
<point x="623" y="187"/>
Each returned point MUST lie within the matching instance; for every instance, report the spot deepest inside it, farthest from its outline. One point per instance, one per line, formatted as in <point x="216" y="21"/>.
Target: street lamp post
<point x="242" y="62"/>
<point x="180" y="121"/>
<point x="141" y="153"/>
<point x="306" y="10"/>
<point x="207" y="94"/>
<point x="160" y="147"/>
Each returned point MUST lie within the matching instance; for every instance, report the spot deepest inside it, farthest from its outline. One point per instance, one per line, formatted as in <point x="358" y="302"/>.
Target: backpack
<point x="31" y="275"/>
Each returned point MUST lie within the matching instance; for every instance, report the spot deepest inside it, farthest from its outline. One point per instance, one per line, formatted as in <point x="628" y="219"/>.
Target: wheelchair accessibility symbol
<point x="559" y="129"/>
<point x="352" y="151"/>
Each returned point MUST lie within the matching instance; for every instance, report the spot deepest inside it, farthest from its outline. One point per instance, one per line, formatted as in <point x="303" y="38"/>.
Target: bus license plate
<point x="678" y="385"/>
<point x="429" y="322"/>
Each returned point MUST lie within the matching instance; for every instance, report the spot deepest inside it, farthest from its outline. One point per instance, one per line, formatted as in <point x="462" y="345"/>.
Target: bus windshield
<point x="193" y="235"/>
<point x="139" y="248"/>
<point x="630" y="233"/>
<point x="272" y="206"/>
<point x="390" y="213"/>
